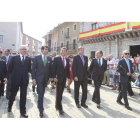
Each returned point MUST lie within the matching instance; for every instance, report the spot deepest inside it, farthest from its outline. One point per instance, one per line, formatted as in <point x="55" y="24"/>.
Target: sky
<point x="38" y="29"/>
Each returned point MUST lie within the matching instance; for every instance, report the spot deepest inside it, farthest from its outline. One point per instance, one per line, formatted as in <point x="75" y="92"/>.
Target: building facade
<point x="68" y="36"/>
<point x="110" y="37"/>
<point x="11" y="34"/>
<point x="33" y="45"/>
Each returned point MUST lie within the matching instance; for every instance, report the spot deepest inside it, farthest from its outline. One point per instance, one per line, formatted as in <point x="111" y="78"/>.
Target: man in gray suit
<point x="41" y="72"/>
<point x="7" y="58"/>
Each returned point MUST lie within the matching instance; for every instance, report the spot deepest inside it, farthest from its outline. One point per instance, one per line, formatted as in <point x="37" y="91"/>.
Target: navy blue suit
<point x="19" y="78"/>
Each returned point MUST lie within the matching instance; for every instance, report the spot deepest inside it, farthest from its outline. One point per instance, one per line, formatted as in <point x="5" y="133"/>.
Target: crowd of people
<point x="60" y="71"/>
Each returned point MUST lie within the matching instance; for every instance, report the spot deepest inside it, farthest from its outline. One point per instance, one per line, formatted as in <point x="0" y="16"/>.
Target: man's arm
<point x="91" y="66"/>
<point x="120" y="70"/>
<point x="11" y="65"/>
<point x="34" y="65"/>
<point x="74" y="67"/>
<point x="105" y="66"/>
<point x="54" y="68"/>
<point x="29" y="70"/>
<point x="50" y="68"/>
<point x="68" y="70"/>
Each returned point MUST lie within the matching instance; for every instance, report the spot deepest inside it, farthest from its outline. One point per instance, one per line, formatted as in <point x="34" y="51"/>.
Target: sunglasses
<point x="13" y="53"/>
<point x="126" y="53"/>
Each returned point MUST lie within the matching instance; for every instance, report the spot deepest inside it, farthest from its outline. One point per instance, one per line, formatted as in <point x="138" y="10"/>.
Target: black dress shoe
<point x="94" y="101"/>
<point x="41" y="115"/>
<point x="84" y="105"/>
<point x="7" y="98"/>
<point x="78" y="105"/>
<point x="61" y="112"/>
<point x="128" y="107"/>
<point x="24" y="115"/>
<point x="9" y="109"/>
<point x="98" y="105"/>
<point x="120" y="102"/>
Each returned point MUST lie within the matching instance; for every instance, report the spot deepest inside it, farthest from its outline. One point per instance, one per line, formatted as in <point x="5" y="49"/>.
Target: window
<point x="61" y="45"/>
<point x="55" y="44"/>
<point x="74" y="27"/>
<point x="67" y="45"/>
<point x="1" y="38"/>
<point x="93" y="26"/>
<point x="68" y="29"/>
<point x="74" y="44"/>
<point x="61" y="32"/>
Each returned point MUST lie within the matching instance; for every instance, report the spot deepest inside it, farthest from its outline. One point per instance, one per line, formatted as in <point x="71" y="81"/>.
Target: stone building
<point x="110" y="37"/>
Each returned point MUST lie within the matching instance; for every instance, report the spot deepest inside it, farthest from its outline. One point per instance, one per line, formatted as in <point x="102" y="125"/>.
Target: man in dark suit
<point x="60" y="72"/>
<point x="7" y="58"/>
<point x="125" y="78"/>
<point x="79" y="68"/>
<point x="19" y="67"/>
<point x="41" y="72"/>
<point x="3" y="74"/>
<point x="98" y="67"/>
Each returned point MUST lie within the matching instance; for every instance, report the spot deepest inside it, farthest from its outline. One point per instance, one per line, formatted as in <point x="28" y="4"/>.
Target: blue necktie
<point x="128" y="65"/>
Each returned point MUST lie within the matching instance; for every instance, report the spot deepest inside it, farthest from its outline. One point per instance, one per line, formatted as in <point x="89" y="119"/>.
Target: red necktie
<point x="64" y="62"/>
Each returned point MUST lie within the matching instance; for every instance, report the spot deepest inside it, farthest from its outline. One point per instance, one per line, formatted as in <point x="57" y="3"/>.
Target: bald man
<point x="19" y="67"/>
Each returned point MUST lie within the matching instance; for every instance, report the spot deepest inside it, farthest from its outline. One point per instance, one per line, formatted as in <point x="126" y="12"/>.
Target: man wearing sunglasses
<point x="125" y="78"/>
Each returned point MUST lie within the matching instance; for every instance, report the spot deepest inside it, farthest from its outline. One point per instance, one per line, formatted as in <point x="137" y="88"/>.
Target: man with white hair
<point x="19" y="67"/>
<point x="125" y="69"/>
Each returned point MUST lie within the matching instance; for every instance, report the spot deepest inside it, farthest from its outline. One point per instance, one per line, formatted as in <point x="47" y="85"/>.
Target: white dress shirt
<point x="64" y="60"/>
<point x="22" y="57"/>
<point x="101" y="60"/>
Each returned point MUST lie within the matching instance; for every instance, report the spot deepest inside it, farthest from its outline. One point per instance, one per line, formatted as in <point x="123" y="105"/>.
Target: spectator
<point x="71" y="73"/>
<point x="138" y="56"/>
<point x="112" y="62"/>
<point x="89" y="61"/>
<point x="106" y="74"/>
<point x="132" y="59"/>
<point x="134" y="63"/>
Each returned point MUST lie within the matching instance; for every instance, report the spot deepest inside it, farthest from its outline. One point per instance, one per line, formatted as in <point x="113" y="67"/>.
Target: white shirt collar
<point x="22" y="55"/>
<point x="62" y="57"/>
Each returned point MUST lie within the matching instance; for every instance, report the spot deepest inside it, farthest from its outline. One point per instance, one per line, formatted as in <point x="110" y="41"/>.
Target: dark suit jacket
<point x="19" y="71"/>
<point x="4" y="58"/>
<point x="39" y="71"/>
<point x="96" y="70"/>
<point x="59" y="71"/>
<point x="3" y="69"/>
<point x="123" y="74"/>
<point x="78" y="69"/>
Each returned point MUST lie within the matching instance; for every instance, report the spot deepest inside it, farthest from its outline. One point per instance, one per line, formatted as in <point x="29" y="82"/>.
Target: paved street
<point x="109" y="107"/>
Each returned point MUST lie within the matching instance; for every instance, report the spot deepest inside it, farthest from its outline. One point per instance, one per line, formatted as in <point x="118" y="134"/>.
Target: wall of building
<point x="12" y="35"/>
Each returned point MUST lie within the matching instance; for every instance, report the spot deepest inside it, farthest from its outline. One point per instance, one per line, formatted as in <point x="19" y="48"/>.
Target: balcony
<point x="66" y="35"/>
<point x="70" y="47"/>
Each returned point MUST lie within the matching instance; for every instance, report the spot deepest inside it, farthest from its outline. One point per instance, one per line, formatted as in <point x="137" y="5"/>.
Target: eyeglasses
<point x="13" y="53"/>
<point x="24" y="49"/>
<point x="126" y="53"/>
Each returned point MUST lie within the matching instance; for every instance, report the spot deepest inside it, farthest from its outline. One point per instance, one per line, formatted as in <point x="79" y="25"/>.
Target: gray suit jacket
<point x="39" y="70"/>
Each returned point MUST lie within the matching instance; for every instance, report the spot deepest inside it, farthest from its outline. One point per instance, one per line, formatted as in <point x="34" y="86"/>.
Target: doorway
<point x="134" y="50"/>
<point x="93" y="54"/>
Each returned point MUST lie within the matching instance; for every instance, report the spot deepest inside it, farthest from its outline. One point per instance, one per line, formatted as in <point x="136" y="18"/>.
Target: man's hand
<point x="55" y="80"/>
<point x="48" y="82"/>
<point x="34" y="82"/>
<point x="76" y="78"/>
<point x="5" y="81"/>
<point x="128" y="74"/>
<point x="0" y="82"/>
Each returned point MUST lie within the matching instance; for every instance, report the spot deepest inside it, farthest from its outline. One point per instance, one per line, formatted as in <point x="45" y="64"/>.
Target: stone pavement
<point x="109" y="107"/>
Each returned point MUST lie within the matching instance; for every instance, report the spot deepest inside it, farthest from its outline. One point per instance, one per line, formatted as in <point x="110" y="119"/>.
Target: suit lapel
<point x="81" y="60"/>
<point x="41" y="61"/>
<point x="61" y="62"/>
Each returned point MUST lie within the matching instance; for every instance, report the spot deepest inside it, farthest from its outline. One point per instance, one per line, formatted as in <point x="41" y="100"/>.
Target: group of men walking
<point x="43" y="71"/>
